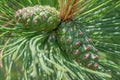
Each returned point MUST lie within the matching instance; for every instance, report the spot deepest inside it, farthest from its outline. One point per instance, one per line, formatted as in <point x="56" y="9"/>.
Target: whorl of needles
<point x="69" y="9"/>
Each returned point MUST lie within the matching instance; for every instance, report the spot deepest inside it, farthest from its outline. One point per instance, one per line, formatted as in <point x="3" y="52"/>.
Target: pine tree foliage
<point x="35" y="55"/>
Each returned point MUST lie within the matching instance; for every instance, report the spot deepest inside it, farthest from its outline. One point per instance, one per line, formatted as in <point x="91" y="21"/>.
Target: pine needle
<point x="69" y="8"/>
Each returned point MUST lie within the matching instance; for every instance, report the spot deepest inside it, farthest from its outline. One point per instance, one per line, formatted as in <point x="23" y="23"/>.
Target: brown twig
<point x="69" y="10"/>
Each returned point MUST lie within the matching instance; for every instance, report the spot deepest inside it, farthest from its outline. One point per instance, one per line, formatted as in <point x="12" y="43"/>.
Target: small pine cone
<point x="38" y="18"/>
<point x="72" y="36"/>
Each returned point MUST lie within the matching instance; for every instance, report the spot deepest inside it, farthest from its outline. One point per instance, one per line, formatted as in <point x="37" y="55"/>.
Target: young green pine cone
<point x="76" y="44"/>
<point x="38" y="18"/>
